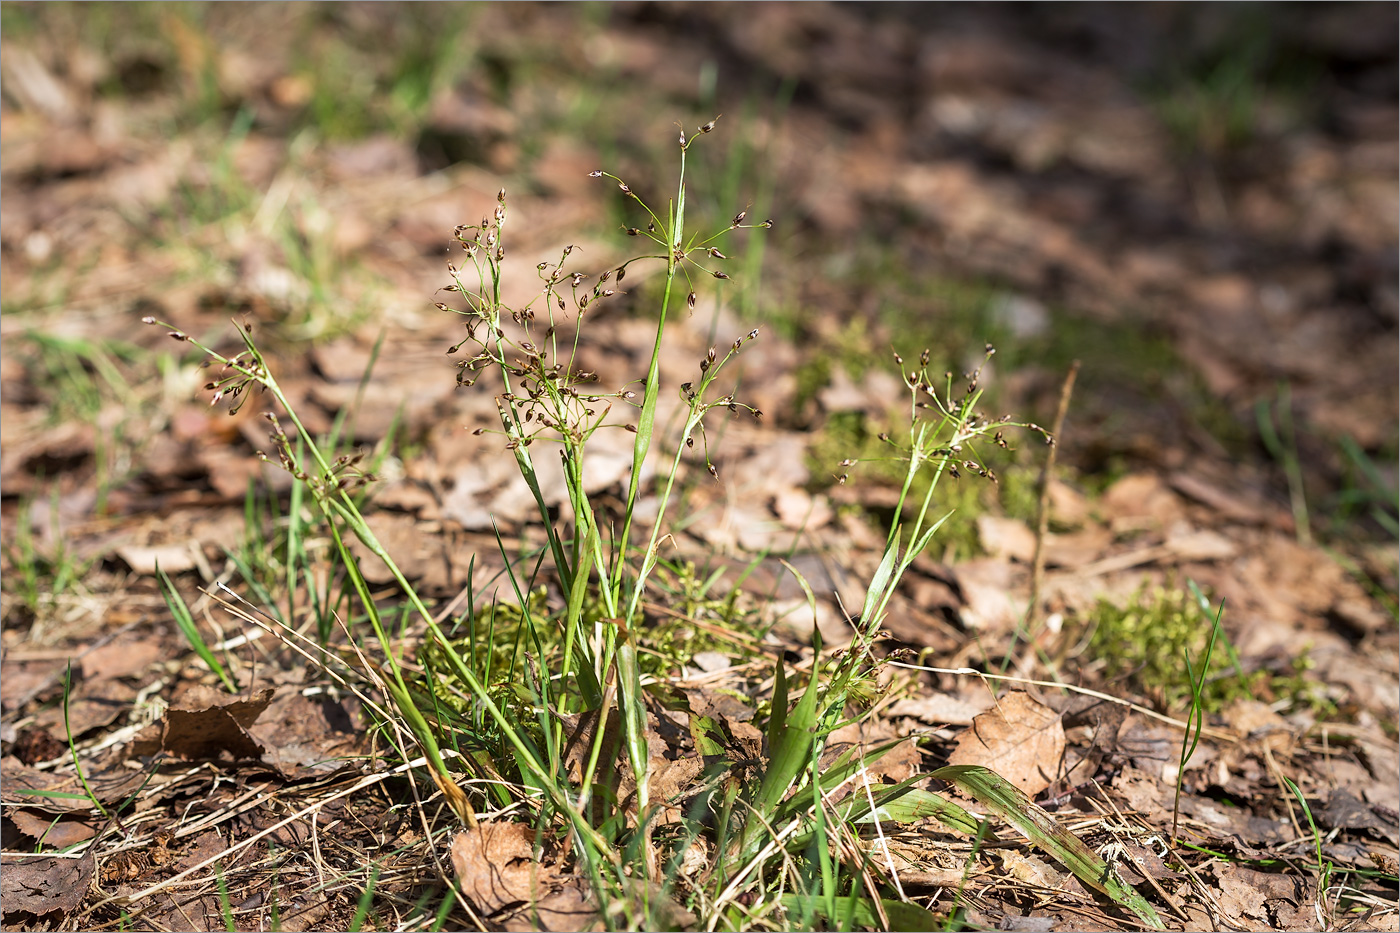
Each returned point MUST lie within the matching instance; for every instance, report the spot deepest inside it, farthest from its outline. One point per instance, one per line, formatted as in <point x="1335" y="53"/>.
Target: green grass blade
<point x="778" y="719"/>
<point x="854" y="912"/>
<point x="366" y="899"/>
<point x="185" y="621"/>
<point x="790" y="753"/>
<point x="880" y="580"/>
<point x="1010" y="803"/>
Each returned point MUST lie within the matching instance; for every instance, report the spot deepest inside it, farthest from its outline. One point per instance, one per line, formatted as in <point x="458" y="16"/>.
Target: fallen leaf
<point x="209" y="732"/>
<point x="120" y="658"/>
<point x="1006" y="537"/>
<point x="91" y="705"/>
<point x="304" y="736"/>
<point x="44" y="885"/>
<point x="497" y="870"/>
<point x="36" y="789"/>
<point x="1202" y="545"/>
<point x="55" y="833"/>
<point x="1020" y="739"/>
<point x="172" y="558"/>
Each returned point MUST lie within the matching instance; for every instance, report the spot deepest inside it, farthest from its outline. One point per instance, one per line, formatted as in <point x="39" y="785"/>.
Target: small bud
<point x="708" y="127"/>
<point x="595" y="174"/>
<point x="719" y="275"/>
<point x="767" y="224"/>
<point x="713" y="471"/>
<point x="884" y="437"/>
<point x="738" y="218"/>
<point x="898" y="360"/>
<point x="682" y="138"/>
<point x="689" y="441"/>
<point x="711" y="355"/>
<point x="542" y="266"/>
<point x="633" y="231"/>
<point x="704" y="365"/>
<point x="753" y="334"/>
<point x="717" y="254"/>
<point x="622" y="270"/>
<point x="178" y="335"/>
<point x="632" y="428"/>
<point x="690" y="300"/>
<point x="148" y="320"/>
<point x="501" y="196"/>
<point x="651" y="227"/>
<point x="623" y="186"/>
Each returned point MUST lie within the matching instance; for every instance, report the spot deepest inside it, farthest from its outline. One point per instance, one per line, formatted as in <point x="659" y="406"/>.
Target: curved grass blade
<point x="187" y="626"/>
<point x="1010" y="802"/>
<point x="854" y="912"/>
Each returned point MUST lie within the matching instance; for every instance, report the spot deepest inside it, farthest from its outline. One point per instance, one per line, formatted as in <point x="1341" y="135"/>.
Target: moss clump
<point x="1149" y="640"/>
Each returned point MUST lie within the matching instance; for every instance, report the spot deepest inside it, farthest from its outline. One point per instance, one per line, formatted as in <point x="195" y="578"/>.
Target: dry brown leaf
<point x="44" y="885"/>
<point x="56" y="834"/>
<point x="216" y="724"/>
<point x="30" y="787"/>
<point x="90" y="706"/>
<point x="1020" y="739"/>
<point x="497" y="870"/>
<point x="1139" y="496"/>
<point x="172" y="558"/>
<point x="120" y="658"/>
<point x="1006" y="537"/>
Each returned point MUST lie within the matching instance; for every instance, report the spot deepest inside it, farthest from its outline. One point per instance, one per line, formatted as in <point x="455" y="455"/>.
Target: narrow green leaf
<point x="1010" y="803"/>
<point x="790" y="753"/>
<point x="587" y="678"/>
<point x="880" y="580"/>
<point x="898" y="803"/>
<point x="907" y="804"/>
<point x="778" y="719"/>
<point x="861" y="912"/>
<point x="185" y="621"/>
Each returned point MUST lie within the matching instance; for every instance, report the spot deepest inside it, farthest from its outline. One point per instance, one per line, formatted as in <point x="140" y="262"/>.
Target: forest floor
<point x="1194" y="206"/>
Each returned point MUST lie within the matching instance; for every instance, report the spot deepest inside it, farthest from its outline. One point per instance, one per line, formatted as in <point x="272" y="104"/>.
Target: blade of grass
<point x="1196" y="717"/>
<point x="1010" y="803"/>
<point x="849" y="911"/>
<point x="185" y="621"/>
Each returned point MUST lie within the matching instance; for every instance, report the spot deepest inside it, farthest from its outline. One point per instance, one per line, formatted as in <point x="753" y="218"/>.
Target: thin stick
<point x="1042" y="510"/>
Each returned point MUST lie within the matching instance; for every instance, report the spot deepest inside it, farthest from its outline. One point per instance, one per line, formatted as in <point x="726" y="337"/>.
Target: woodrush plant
<point x="783" y="805"/>
<point x="546" y="397"/>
